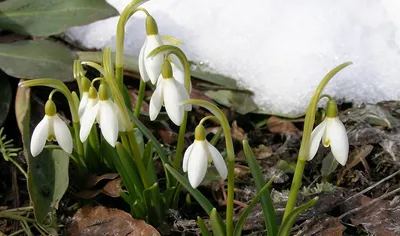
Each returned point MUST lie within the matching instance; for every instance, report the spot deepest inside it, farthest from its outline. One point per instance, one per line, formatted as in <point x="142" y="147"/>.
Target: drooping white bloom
<point x="82" y="103"/>
<point x="150" y="68"/>
<point x="198" y="158"/>
<point x="51" y="127"/>
<point x="106" y="116"/>
<point x="332" y="133"/>
<point x="170" y="93"/>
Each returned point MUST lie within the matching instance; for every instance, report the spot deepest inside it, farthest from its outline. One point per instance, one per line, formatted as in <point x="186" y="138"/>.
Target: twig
<point x="369" y="203"/>
<point x="372" y="186"/>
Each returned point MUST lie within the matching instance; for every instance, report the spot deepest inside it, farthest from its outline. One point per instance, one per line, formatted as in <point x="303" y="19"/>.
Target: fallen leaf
<point x="113" y="188"/>
<point x="280" y="126"/>
<point x="237" y="132"/>
<point x="381" y="218"/>
<point x="321" y="226"/>
<point x="99" y="221"/>
<point x="94" y="179"/>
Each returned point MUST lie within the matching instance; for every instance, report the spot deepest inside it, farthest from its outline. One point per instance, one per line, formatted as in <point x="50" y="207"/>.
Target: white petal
<point x="153" y="64"/>
<point x="82" y="103"/>
<point x="156" y="102"/>
<point x="338" y="140"/>
<point x="184" y="95"/>
<point x="121" y="126"/>
<point x="197" y="166"/>
<point x="316" y="137"/>
<point x="172" y="101"/>
<point x="142" y="68"/>
<point x="218" y="160"/>
<point x="108" y="122"/>
<point x="39" y="136"/>
<point x="87" y="121"/>
<point x="63" y="136"/>
<point x="186" y="157"/>
<point x="179" y="75"/>
<point x="175" y="60"/>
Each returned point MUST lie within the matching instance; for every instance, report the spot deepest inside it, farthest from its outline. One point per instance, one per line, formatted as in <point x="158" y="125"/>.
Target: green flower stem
<point x="19" y="167"/>
<point x="125" y="142"/>
<point x="181" y="141"/>
<point x="138" y="158"/>
<point x="209" y="118"/>
<point x="120" y="36"/>
<point x="230" y="155"/>
<point x="305" y="142"/>
<point x="61" y="87"/>
<point x="17" y="217"/>
<point x="325" y="96"/>
<point x="142" y="87"/>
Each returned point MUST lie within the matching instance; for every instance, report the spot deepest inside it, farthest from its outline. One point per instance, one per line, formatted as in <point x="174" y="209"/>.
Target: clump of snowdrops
<point x="107" y="132"/>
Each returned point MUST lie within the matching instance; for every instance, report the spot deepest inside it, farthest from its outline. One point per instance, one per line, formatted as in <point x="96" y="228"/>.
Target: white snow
<point x="280" y="50"/>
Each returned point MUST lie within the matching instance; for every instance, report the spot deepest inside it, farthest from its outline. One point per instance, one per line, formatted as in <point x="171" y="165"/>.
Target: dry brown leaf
<point x="237" y="132"/>
<point x="382" y="218"/>
<point x="93" y="179"/>
<point x="280" y="126"/>
<point x="321" y="226"/>
<point x="113" y="188"/>
<point x="100" y="221"/>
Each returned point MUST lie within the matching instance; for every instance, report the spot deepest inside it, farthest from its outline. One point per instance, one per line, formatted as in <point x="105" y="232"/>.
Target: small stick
<point x="369" y="203"/>
<point x="372" y="186"/>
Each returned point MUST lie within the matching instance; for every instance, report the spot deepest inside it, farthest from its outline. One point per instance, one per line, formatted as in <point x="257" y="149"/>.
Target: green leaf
<point x="47" y="183"/>
<point x="5" y="97"/>
<point x="45" y="17"/>
<point x="155" y="205"/>
<point x="242" y="219"/>
<point x="203" y="227"/>
<point x="217" y="227"/>
<point x="127" y="169"/>
<point x="241" y="101"/>
<point x="287" y="224"/>
<point x="329" y="165"/>
<point x="32" y="59"/>
<point x="266" y="201"/>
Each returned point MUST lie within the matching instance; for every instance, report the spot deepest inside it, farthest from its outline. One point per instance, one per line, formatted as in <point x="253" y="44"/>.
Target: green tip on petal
<point x="85" y="84"/>
<point x="103" y="93"/>
<point x="92" y="92"/>
<point x="151" y="26"/>
<point x="331" y="109"/>
<point x="200" y="133"/>
<point x="166" y="70"/>
<point x="50" y="108"/>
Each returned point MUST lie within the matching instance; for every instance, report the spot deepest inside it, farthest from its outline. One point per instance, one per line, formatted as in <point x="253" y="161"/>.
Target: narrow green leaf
<point x="287" y="224"/>
<point x="127" y="169"/>
<point x="246" y="212"/>
<point x="32" y="59"/>
<point x="266" y="201"/>
<point x="45" y="18"/>
<point x="216" y="137"/>
<point x="203" y="227"/>
<point x="156" y="202"/>
<point x="167" y="196"/>
<point x="127" y="97"/>
<point x="217" y="227"/>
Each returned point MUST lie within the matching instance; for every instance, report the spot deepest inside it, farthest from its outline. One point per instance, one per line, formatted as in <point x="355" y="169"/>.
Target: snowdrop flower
<point x="170" y="93"/>
<point x="104" y="113"/>
<point x="150" y="68"/>
<point x="333" y="134"/>
<point x="85" y="95"/>
<point x="199" y="156"/>
<point x="51" y="127"/>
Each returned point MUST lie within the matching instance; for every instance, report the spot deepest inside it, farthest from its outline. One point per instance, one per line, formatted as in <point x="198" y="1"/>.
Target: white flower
<point x="106" y="116"/>
<point x="51" y="127"/>
<point x="332" y="133"/>
<point x="82" y="103"/>
<point x="170" y="93"/>
<point x="198" y="157"/>
<point x="150" y="68"/>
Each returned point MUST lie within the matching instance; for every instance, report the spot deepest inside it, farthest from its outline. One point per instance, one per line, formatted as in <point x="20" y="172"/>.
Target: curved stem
<point x="325" y="96"/>
<point x="305" y="141"/>
<point x="181" y="141"/>
<point x="61" y="87"/>
<point x="129" y="10"/>
<point x="209" y="118"/>
<point x="230" y="156"/>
